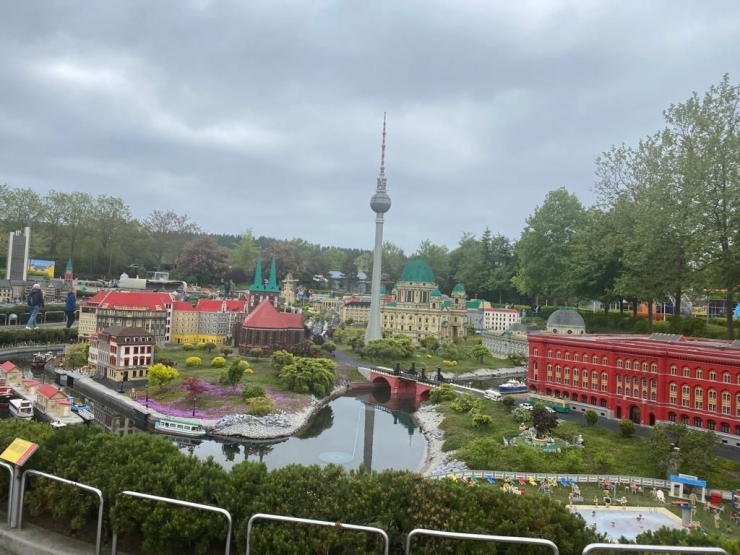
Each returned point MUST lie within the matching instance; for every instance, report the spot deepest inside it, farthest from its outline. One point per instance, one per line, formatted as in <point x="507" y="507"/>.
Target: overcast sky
<point x="268" y="114"/>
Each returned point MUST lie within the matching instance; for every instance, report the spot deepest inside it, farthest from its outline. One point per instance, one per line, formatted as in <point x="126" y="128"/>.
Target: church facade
<point x="418" y="309"/>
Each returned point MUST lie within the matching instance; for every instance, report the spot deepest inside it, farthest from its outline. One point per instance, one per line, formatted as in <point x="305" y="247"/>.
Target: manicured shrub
<point x="218" y="362"/>
<point x="187" y="347"/>
<point x="443" y="393"/>
<point x="193" y="361"/>
<point x="253" y="391"/>
<point x="260" y="406"/>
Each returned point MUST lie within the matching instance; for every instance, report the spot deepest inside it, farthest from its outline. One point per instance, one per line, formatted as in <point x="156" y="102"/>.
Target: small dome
<point x="417" y="271"/>
<point x="436" y="293"/>
<point x="518" y="327"/>
<point x="565" y="318"/>
<point x="459" y="288"/>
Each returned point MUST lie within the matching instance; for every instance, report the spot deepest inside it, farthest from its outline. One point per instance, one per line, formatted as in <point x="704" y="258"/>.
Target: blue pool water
<point x="620" y="522"/>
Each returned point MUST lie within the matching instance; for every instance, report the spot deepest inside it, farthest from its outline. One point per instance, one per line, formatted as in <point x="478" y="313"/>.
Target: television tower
<point x="380" y="204"/>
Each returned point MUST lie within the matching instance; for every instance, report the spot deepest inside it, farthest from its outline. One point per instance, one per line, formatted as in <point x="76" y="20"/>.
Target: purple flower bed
<point x="184" y="408"/>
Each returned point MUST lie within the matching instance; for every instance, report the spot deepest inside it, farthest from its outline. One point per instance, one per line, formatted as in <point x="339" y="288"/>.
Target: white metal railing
<point x="652" y="549"/>
<point x="481" y="537"/>
<point x="337" y="525"/>
<point x="10" y="492"/>
<point x="227" y="514"/>
<point x="99" y="534"/>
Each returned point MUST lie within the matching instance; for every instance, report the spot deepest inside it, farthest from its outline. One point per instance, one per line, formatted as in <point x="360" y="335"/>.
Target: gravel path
<point x="435" y="460"/>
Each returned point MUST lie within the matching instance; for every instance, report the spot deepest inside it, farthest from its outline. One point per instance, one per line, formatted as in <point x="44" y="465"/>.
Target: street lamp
<point x="146" y="394"/>
<point x="194" y="400"/>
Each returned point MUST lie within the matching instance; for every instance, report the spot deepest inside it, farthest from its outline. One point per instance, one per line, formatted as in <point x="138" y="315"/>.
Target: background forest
<point x="664" y="226"/>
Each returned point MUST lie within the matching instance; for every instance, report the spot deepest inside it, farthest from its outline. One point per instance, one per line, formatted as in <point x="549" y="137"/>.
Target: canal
<point x="349" y="431"/>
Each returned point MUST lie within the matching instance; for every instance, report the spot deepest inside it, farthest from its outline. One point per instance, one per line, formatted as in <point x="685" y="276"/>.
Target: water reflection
<point x="350" y="431"/>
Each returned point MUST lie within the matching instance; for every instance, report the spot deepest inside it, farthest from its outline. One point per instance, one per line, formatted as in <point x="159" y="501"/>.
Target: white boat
<point x="172" y="426"/>
<point x="21" y="408"/>
<point x="513" y="386"/>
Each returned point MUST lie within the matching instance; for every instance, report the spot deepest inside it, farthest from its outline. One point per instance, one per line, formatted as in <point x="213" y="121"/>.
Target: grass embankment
<point x="433" y="361"/>
<point x="605" y="452"/>
<point x="216" y="400"/>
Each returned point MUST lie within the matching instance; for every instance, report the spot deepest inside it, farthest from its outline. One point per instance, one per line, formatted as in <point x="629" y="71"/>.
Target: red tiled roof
<point x="265" y="316"/>
<point x="129" y="299"/>
<point x="28" y="382"/>
<point x="183" y="306"/>
<point x="8" y="366"/>
<point x="64" y="402"/>
<point x="48" y="391"/>
<point x="207" y="305"/>
<point x="236" y="306"/>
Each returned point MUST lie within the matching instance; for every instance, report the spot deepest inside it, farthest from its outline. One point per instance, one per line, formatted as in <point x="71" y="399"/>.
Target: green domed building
<point x="418" y="308"/>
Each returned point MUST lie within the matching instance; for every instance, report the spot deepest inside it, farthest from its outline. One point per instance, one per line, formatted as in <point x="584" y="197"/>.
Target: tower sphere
<point x="380" y="203"/>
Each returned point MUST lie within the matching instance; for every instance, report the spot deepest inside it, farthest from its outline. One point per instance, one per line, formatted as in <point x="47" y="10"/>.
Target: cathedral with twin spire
<point x="262" y="290"/>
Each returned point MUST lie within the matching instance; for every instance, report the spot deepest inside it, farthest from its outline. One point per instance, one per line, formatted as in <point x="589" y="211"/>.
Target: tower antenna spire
<point x="382" y="151"/>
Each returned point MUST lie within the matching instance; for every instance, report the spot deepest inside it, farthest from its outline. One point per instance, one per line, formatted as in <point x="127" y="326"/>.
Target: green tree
<point x="244" y="254"/>
<point x="309" y="375"/>
<point x="480" y="352"/>
<point x="236" y="371"/>
<point x="160" y="375"/>
<point x="77" y="355"/>
<point x="209" y="346"/>
<point x="255" y="353"/>
<point x="450" y="351"/>
<point x="544" y="421"/>
<point x="546" y="247"/>
<point x="281" y="358"/>
<point x="591" y="418"/>
<point x="626" y="427"/>
<point x="329" y="347"/>
<point x="170" y="232"/>
<point x="509" y="402"/>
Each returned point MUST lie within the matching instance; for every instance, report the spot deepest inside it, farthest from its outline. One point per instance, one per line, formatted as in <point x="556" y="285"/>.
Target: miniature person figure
<point x="596" y="502"/>
<point x="593" y="513"/>
<point x="692" y="499"/>
<point x="717" y="520"/>
<point x="36" y="302"/>
<point x="639" y="518"/>
<point x="70" y="306"/>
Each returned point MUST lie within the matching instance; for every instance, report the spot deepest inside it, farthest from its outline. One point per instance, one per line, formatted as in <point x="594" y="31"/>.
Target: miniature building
<point x="269" y="330"/>
<point x="500" y="319"/>
<point x="52" y="401"/>
<point x="19" y="243"/>
<point x="69" y="273"/>
<point x="648" y="379"/>
<point x="144" y="310"/>
<point x="418" y="309"/>
<point x="288" y="293"/>
<point x="210" y="321"/>
<point x="567" y="321"/>
<point x="502" y="344"/>
<point x="10" y="374"/>
<point x="121" y="353"/>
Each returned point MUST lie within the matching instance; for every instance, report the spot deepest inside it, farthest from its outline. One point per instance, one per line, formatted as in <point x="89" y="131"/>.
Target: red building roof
<point x="183" y="306"/>
<point x="48" y="391"/>
<point x="8" y="366"/>
<point x="235" y="306"/>
<point x="265" y="316"/>
<point x="28" y="382"/>
<point x="509" y="310"/>
<point x="206" y="305"/>
<point x="130" y="299"/>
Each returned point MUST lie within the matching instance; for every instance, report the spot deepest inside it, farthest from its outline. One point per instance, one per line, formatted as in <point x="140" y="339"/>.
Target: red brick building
<point x="648" y="379"/>
<point x="269" y="330"/>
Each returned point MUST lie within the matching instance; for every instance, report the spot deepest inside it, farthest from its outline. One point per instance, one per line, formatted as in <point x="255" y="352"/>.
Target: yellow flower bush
<point x="217" y="362"/>
<point x="193" y="361"/>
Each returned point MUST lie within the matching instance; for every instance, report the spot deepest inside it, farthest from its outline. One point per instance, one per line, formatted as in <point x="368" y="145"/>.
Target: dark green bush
<point x="253" y="391"/>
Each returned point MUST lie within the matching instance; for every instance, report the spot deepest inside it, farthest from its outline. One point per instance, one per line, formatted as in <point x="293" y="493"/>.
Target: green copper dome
<point x="417" y="271"/>
<point x="459" y="288"/>
<point x="436" y="293"/>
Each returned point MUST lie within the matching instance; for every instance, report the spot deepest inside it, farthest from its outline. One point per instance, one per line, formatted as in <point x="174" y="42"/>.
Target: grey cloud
<point x="267" y="114"/>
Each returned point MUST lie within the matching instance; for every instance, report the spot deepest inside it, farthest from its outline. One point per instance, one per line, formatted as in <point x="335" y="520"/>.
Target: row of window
<point x="697" y="422"/>
<point x="652" y="367"/>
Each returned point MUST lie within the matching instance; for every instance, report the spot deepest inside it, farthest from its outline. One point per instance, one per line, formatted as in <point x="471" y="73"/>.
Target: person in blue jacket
<point x="35" y="303"/>
<point x="70" y="306"/>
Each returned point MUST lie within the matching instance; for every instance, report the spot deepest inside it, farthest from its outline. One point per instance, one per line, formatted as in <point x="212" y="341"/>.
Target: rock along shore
<point x="435" y="460"/>
<point x="273" y="426"/>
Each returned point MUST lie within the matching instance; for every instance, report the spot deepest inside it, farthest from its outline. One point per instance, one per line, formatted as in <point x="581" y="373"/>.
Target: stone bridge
<point x="395" y="385"/>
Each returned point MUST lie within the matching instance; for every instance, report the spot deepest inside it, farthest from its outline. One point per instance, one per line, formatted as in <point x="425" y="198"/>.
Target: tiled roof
<point x="125" y="331"/>
<point x="508" y="310"/>
<point x="48" y="391"/>
<point x="130" y="299"/>
<point x="235" y="306"/>
<point x="265" y="316"/>
<point x="28" y="382"/>
<point x="183" y="306"/>
<point x="8" y="366"/>
<point x="207" y="305"/>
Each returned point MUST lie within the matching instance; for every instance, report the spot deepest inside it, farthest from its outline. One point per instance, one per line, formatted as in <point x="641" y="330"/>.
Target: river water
<point x="349" y="431"/>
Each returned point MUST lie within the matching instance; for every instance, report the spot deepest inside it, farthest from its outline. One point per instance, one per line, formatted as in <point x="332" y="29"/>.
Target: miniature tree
<point x="209" y="346"/>
<point x="255" y="353"/>
<point x="161" y="375"/>
<point x="591" y="418"/>
<point x="544" y="421"/>
<point x="480" y="352"/>
<point x="236" y="371"/>
<point x="194" y="387"/>
<point x="627" y="427"/>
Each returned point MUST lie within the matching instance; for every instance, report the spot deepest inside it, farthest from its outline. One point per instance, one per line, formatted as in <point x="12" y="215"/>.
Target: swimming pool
<point x="623" y="522"/>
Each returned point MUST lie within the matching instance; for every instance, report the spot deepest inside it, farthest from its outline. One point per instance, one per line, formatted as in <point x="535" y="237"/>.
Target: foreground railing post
<point x="653" y="549"/>
<point x="480" y="537"/>
<point x="179" y="503"/>
<point x="339" y="525"/>
<point x="99" y="535"/>
<point x="11" y="491"/>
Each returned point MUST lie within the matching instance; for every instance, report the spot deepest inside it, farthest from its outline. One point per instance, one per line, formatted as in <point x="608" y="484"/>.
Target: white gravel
<point x="435" y="460"/>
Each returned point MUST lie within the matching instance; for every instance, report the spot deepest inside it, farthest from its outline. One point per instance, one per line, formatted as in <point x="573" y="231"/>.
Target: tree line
<point x="664" y="226"/>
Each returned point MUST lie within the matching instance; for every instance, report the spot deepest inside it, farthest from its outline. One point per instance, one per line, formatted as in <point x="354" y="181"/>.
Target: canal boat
<point x="513" y="386"/>
<point x="21" y="408"/>
<point x="172" y="426"/>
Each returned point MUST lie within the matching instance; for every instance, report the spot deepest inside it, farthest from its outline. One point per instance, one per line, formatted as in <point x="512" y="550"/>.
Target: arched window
<point x="604" y="381"/>
<point x="535" y="352"/>
<point x="637" y="365"/>
<point x="576" y="357"/>
<point x="672" y="416"/>
<point x="674" y="370"/>
<point x="605" y="361"/>
<point x="549" y="353"/>
<point x="712" y="400"/>
<point x="699" y="374"/>
<point x="711" y="425"/>
<point x="697" y="422"/>
<point x="654" y="368"/>
<point x="686" y="372"/>
<point x="685" y="419"/>
<point x="594" y="380"/>
<point x="567" y="355"/>
<point x="619" y="363"/>
<point x="557" y="354"/>
<point x="685" y="396"/>
<point x="644" y="366"/>
<point x="698" y="398"/>
<point x="726" y="402"/>
<point x="724" y="428"/>
<point x="628" y="364"/>
<point x="737" y="405"/>
<point x="725" y="377"/>
<point x="712" y="376"/>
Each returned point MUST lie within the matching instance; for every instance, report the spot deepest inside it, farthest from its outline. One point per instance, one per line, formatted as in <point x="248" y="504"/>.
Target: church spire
<point x="272" y="285"/>
<point x="258" y="285"/>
